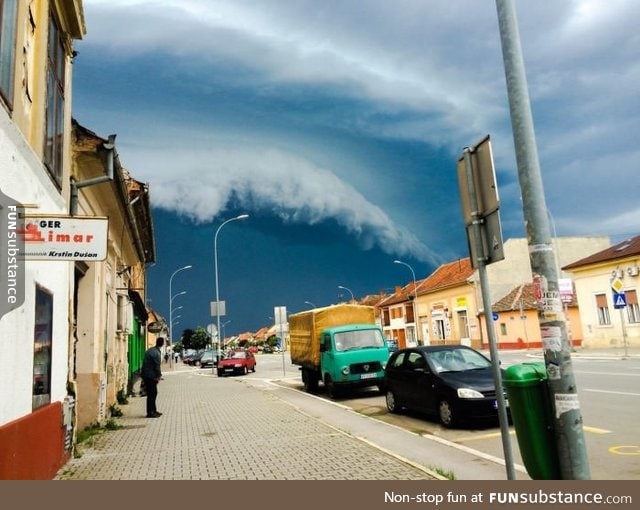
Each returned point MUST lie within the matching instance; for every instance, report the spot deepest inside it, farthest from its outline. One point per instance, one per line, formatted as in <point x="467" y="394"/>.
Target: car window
<point x="398" y="360"/>
<point x="416" y="360"/>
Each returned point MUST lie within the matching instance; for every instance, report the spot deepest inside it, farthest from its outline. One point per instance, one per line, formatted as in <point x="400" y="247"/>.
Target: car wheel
<point x="245" y="371"/>
<point x="219" y="373"/>
<point x="446" y="413"/>
<point x="253" y="369"/>
<point x="392" y="402"/>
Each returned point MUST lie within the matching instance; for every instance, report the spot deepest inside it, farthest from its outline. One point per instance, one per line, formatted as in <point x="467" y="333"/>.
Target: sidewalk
<point x="231" y="429"/>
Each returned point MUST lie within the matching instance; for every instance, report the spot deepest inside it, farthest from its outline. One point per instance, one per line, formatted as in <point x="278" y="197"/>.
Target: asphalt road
<point x="608" y="390"/>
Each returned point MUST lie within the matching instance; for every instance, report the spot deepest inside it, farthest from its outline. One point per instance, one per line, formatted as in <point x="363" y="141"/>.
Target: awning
<point x="138" y="306"/>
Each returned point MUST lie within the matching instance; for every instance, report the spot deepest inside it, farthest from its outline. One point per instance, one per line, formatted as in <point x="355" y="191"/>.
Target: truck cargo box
<point x="305" y="328"/>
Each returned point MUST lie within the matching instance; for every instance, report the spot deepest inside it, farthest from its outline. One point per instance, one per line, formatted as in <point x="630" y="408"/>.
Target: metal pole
<point x="215" y="261"/>
<point x="481" y="260"/>
<point x="415" y="299"/>
<point x="557" y="349"/>
<point x="171" y="305"/>
<point x="348" y="290"/>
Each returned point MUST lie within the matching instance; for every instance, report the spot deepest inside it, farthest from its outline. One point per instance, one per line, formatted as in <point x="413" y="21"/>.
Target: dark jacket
<point x="151" y="364"/>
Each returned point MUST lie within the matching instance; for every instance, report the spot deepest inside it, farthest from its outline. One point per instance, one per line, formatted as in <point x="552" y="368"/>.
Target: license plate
<point x="368" y="376"/>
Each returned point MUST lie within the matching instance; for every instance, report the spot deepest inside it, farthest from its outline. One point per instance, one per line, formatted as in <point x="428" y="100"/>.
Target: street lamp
<point x="224" y="335"/>
<point x="349" y="290"/>
<point x="215" y="262"/>
<point x="171" y="296"/>
<point x="415" y="299"/>
<point x="310" y="304"/>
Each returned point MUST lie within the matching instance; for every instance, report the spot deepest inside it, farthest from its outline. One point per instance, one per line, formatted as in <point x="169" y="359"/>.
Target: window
<point x="603" y="310"/>
<point x="439" y="329"/>
<point x="55" y="102"/>
<point x="42" y="348"/>
<point x="8" y="14"/>
<point x="633" y="312"/>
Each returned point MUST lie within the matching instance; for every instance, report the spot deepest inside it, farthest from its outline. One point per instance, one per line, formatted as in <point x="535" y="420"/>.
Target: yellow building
<point x="607" y="284"/>
<point x="36" y="408"/>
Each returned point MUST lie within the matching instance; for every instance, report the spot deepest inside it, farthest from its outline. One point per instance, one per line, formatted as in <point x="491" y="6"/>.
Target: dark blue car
<point x="453" y="382"/>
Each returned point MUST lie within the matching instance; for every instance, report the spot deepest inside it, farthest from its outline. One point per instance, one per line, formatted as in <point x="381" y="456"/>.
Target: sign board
<point x="619" y="300"/>
<point x="565" y="286"/>
<point x="280" y="315"/>
<point x="65" y="237"/>
<point x="218" y="308"/>
<point x="495" y="316"/>
<point x="155" y="327"/>
<point x="212" y="329"/>
<point x="617" y="285"/>
<point x="480" y="181"/>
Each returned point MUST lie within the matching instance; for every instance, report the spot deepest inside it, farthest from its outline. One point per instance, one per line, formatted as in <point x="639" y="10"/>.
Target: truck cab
<point x="353" y="355"/>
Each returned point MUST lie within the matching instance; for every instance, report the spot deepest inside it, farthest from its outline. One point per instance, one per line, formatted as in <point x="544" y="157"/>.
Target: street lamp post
<point x="171" y="296"/>
<point x="215" y="262"/>
<point x="348" y="290"/>
<point x="415" y="299"/>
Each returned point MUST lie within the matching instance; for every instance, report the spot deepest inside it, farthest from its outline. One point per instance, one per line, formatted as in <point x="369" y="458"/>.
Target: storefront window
<point x="42" y="348"/>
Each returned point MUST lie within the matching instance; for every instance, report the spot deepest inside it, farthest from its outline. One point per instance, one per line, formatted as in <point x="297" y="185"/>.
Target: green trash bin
<point x="532" y="415"/>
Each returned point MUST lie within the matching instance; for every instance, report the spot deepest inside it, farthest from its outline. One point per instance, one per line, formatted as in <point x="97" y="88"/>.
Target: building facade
<point x="110" y="315"/>
<point x="607" y="284"/>
<point x="36" y="408"/>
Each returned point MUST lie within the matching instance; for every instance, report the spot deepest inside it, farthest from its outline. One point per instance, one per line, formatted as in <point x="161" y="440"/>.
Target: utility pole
<point x="568" y="428"/>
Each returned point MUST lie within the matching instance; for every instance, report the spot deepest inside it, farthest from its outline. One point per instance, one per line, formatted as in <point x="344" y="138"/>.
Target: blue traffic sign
<point x="619" y="300"/>
<point x="495" y="316"/>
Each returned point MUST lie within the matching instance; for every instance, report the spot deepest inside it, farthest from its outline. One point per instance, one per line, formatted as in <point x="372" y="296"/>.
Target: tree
<point x="185" y="339"/>
<point x="200" y="338"/>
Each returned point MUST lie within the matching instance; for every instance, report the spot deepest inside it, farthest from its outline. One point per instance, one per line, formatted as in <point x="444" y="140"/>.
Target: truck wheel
<point x="310" y="381"/>
<point x="331" y="388"/>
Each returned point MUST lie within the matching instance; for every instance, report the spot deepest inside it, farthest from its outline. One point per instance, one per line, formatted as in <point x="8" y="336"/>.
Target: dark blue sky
<point x="337" y="127"/>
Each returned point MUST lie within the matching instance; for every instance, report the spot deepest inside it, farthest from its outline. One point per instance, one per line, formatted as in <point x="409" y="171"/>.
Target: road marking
<point x="614" y="392"/>
<point x="596" y="430"/>
<point x="605" y="373"/>
<point x="482" y="436"/>
<point x="635" y="450"/>
<point x="493" y="435"/>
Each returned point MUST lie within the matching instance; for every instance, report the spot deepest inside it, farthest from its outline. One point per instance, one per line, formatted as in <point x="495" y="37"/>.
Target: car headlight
<point x="345" y="370"/>
<point x="384" y="366"/>
<point x="469" y="393"/>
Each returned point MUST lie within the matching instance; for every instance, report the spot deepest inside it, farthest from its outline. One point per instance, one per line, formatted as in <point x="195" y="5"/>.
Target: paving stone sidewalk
<point x="224" y="429"/>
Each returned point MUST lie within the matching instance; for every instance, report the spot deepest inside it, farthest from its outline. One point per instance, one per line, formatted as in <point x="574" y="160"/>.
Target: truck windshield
<point x="358" y="339"/>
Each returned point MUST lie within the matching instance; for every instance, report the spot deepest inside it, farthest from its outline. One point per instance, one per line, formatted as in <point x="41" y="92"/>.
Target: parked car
<point x="194" y="359"/>
<point x="208" y="359"/>
<point x="453" y="382"/>
<point x="237" y="362"/>
<point x="267" y="349"/>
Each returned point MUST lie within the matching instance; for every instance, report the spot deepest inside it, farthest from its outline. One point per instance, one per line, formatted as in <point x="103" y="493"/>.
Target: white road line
<point x="614" y="392"/>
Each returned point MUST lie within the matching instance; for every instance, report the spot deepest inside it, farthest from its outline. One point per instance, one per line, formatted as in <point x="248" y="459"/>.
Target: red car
<point x="238" y="362"/>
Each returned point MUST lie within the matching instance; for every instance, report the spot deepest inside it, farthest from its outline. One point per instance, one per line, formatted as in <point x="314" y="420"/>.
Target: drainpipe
<point x="75" y="186"/>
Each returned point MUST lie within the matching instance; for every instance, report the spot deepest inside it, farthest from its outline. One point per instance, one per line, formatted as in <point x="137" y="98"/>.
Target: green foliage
<point x="112" y="425"/>
<point x="115" y="411"/>
<point x="185" y="339"/>
<point x="200" y="338"/>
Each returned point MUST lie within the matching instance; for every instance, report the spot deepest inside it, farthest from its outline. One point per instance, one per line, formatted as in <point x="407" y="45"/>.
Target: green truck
<point x="340" y="345"/>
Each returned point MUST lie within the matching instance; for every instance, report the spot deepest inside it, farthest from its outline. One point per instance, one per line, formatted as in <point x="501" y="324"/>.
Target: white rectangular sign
<point x="65" y="237"/>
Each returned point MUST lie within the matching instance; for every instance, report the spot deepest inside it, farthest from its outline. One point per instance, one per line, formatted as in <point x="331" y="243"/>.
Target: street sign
<point x="619" y="300"/>
<point x="617" y="284"/>
<point x="495" y="316"/>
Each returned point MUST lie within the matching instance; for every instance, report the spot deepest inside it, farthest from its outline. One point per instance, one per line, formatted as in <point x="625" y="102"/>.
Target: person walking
<point x="151" y="375"/>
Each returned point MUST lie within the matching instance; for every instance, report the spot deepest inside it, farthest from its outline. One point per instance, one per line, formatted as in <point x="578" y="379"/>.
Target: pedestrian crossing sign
<point x="619" y="300"/>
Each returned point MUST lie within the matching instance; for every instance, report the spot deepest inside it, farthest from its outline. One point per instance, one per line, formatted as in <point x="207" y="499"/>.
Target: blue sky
<point x="337" y="126"/>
